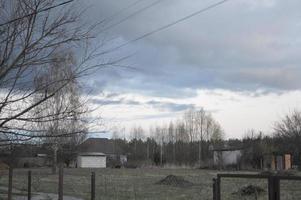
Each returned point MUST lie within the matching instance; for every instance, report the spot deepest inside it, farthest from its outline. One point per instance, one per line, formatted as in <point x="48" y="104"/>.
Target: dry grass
<point x="122" y="184"/>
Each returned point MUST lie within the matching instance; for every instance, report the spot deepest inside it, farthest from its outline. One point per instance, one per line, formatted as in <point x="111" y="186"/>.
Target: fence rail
<point x="273" y="183"/>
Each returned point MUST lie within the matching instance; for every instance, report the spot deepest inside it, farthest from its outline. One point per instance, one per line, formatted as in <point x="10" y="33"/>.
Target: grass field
<point x="122" y="184"/>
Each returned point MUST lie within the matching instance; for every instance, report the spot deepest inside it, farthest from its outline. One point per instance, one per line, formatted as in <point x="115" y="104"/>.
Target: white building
<point x="100" y="153"/>
<point x="91" y="160"/>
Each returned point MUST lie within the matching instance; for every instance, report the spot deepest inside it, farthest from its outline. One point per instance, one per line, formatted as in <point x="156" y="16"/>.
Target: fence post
<point x="29" y="186"/>
<point x="274" y="188"/>
<point x="214" y="188"/>
<point x="93" y="186"/>
<point x="10" y="182"/>
<point x="277" y="187"/>
<point x="271" y="188"/>
<point x="61" y="180"/>
<point x="218" y="187"/>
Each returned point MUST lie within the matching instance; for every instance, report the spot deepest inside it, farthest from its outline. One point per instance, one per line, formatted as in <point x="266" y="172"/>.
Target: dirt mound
<point x="249" y="190"/>
<point x="176" y="181"/>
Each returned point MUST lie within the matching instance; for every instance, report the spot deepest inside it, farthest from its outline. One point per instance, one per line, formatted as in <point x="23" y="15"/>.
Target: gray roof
<point x="92" y="154"/>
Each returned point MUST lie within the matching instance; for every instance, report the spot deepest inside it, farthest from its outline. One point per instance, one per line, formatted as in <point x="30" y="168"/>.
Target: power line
<point x="36" y="12"/>
<point x="168" y="25"/>
<point x="131" y="15"/>
<point x="122" y="10"/>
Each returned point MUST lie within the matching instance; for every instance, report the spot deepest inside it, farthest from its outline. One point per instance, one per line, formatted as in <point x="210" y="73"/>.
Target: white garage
<point x="91" y="160"/>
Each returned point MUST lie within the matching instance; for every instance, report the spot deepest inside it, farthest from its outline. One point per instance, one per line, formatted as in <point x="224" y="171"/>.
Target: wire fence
<point x="290" y="189"/>
<point x="123" y="184"/>
<point x="256" y="186"/>
<point x="108" y="184"/>
<point x="244" y="189"/>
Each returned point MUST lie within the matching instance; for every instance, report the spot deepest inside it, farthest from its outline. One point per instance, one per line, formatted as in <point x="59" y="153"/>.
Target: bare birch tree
<point x="31" y="33"/>
<point x="62" y="117"/>
<point x="200" y="120"/>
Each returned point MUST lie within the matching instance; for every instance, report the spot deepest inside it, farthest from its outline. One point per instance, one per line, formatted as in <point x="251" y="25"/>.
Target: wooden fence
<point x="273" y="183"/>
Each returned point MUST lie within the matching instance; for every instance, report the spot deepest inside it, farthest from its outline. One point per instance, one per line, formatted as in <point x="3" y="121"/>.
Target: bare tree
<point x="137" y="133"/>
<point x="32" y="32"/>
<point x="62" y="117"/>
<point x="217" y="134"/>
<point x="172" y="140"/>
<point x="200" y="120"/>
<point x="181" y="134"/>
<point x="189" y="119"/>
<point x="160" y="134"/>
<point x="288" y="130"/>
<point x="198" y="124"/>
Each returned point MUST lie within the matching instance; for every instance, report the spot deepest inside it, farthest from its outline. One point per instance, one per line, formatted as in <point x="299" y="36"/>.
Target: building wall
<point x="277" y="162"/>
<point x="224" y="158"/>
<point x="288" y="161"/>
<point x="33" y="162"/>
<point x="123" y="159"/>
<point x="85" y="161"/>
<point x="231" y="157"/>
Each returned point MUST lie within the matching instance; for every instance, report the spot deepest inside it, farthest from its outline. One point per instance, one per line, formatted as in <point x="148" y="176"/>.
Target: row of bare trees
<point x="189" y="140"/>
<point x="183" y="141"/>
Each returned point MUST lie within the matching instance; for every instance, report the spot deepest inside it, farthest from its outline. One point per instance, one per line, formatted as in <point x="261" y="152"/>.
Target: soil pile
<point x="176" y="181"/>
<point x="250" y="190"/>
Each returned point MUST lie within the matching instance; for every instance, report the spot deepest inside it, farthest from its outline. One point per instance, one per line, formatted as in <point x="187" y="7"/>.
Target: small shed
<point x="108" y="149"/>
<point x="226" y="157"/>
<point x="277" y="161"/>
<point x="91" y="160"/>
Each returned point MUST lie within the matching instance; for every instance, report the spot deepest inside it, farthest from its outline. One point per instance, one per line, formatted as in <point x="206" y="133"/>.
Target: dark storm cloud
<point x="241" y="45"/>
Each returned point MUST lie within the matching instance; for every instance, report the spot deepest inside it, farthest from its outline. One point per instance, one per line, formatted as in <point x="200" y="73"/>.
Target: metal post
<point x="29" y="186"/>
<point x="93" y="186"/>
<point x="274" y="188"/>
<point x="271" y="188"/>
<point x="277" y="188"/>
<point x="218" y="188"/>
<point x="61" y="180"/>
<point x="214" y="188"/>
<point x="10" y="183"/>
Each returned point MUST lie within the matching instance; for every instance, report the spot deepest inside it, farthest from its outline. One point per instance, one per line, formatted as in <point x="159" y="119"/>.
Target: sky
<point x="239" y="61"/>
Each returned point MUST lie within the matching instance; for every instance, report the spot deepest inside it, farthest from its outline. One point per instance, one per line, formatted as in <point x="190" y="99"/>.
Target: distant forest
<point x="190" y="141"/>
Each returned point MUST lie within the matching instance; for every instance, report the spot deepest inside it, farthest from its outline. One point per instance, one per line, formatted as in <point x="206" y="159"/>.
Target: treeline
<point x="190" y="140"/>
<point x="149" y="152"/>
<point x="185" y="141"/>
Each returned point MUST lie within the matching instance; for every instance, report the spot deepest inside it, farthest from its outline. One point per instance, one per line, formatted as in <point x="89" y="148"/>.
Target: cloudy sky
<point x="239" y="61"/>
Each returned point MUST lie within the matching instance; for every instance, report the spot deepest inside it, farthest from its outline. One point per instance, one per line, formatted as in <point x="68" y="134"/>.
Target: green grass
<point x="122" y="184"/>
